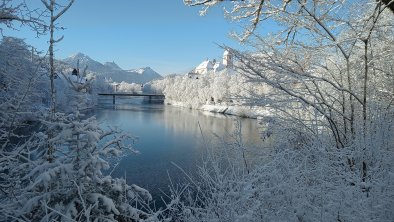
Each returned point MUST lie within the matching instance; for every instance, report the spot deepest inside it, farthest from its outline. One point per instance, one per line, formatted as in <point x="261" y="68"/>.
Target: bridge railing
<point x="150" y="97"/>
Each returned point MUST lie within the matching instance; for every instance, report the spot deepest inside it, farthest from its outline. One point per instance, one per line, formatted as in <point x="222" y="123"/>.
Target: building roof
<point x="204" y="67"/>
<point x="207" y="64"/>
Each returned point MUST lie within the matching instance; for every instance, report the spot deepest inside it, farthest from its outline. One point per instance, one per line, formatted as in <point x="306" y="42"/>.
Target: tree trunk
<point x="52" y="78"/>
<point x="51" y="63"/>
<point x="365" y="84"/>
<point x="350" y="98"/>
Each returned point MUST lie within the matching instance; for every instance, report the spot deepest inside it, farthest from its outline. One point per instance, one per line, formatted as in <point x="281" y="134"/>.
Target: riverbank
<point x="222" y="92"/>
<point x="254" y="112"/>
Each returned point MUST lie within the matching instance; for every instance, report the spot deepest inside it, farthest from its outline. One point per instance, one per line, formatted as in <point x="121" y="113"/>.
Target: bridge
<point x="150" y="96"/>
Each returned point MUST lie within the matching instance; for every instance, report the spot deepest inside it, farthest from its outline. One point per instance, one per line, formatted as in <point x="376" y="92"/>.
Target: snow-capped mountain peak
<point x="83" y="60"/>
<point x="146" y="72"/>
<point x="112" y="70"/>
<point x="142" y="70"/>
<point x="79" y="56"/>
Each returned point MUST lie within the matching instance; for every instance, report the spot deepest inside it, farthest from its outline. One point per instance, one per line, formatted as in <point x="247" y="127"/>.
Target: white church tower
<point x="227" y="59"/>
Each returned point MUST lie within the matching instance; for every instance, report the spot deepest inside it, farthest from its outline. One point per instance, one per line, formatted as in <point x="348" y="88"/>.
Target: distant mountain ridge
<point x="112" y="70"/>
<point x="112" y="65"/>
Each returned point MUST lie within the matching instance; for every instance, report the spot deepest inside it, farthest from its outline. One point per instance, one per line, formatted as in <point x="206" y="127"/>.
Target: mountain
<point x="112" y="66"/>
<point x="112" y="70"/>
<point x="146" y="73"/>
<point x="84" y="60"/>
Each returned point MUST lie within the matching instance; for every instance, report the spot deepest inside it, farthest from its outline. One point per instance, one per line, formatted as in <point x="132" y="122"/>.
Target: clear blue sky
<point x="165" y="35"/>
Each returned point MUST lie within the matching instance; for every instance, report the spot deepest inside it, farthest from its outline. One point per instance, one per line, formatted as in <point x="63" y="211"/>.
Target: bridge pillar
<point x="113" y="99"/>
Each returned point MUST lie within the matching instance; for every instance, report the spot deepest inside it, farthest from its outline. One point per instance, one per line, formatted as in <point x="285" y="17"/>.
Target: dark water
<point x="168" y="135"/>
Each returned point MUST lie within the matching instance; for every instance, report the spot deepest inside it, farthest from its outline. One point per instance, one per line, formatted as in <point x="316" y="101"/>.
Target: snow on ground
<point x="255" y="112"/>
<point x="243" y="111"/>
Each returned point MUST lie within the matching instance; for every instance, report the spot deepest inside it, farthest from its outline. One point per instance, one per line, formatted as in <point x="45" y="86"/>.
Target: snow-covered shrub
<point x="313" y="182"/>
<point x="60" y="176"/>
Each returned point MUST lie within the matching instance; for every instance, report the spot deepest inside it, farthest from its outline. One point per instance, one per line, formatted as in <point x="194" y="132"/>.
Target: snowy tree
<point x="21" y="83"/>
<point x="73" y="186"/>
<point x="331" y="88"/>
<point x="21" y="101"/>
<point x="56" y="11"/>
<point x="18" y="11"/>
<point x="56" y="170"/>
<point x="318" y="51"/>
<point x="219" y="88"/>
<point x="307" y="183"/>
<point x="254" y="11"/>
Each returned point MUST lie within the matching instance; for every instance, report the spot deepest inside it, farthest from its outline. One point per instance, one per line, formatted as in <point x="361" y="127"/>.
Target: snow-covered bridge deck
<point x="150" y="96"/>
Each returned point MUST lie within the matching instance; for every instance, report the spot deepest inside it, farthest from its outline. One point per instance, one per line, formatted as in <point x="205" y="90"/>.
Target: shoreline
<point x="253" y="112"/>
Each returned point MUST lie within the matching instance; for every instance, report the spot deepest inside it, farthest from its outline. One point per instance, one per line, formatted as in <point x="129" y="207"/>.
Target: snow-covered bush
<point x="313" y="182"/>
<point x="60" y="176"/>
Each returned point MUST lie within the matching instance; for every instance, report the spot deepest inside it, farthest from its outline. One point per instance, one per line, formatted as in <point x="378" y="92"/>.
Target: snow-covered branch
<point x="20" y="12"/>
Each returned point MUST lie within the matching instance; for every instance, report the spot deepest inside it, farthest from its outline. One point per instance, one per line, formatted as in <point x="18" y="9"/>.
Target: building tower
<point x="227" y="59"/>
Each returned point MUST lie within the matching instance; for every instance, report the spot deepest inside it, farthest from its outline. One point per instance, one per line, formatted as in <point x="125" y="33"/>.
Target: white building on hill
<point x="214" y="66"/>
<point x="204" y="67"/>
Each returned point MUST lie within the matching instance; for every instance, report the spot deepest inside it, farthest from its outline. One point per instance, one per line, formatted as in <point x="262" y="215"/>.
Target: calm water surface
<point x="168" y="135"/>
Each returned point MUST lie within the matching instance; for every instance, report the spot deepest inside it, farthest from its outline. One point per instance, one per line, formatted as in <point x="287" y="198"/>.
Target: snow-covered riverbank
<point x="222" y="92"/>
<point x="254" y="112"/>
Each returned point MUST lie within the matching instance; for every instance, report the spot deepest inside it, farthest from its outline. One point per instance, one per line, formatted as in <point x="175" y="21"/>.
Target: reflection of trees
<point x="185" y="147"/>
<point x="219" y="131"/>
<point x="221" y="135"/>
<point x="182" y="120"/>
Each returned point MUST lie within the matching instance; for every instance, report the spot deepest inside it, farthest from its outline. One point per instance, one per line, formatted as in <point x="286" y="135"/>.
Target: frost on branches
<point x="69" y="184"/>
<point x="331" y="87"/>
<point x="217" y="92"/>
<point x="21" y="88"/>
<point x="299" y="181"/>
<point x="53" y="168"/>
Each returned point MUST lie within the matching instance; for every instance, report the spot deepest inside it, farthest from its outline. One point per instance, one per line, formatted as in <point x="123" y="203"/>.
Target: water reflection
<point x="168" y="134"/>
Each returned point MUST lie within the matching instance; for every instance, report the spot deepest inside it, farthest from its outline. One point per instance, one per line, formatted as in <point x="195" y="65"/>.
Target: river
<point x="169" y="136"/>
